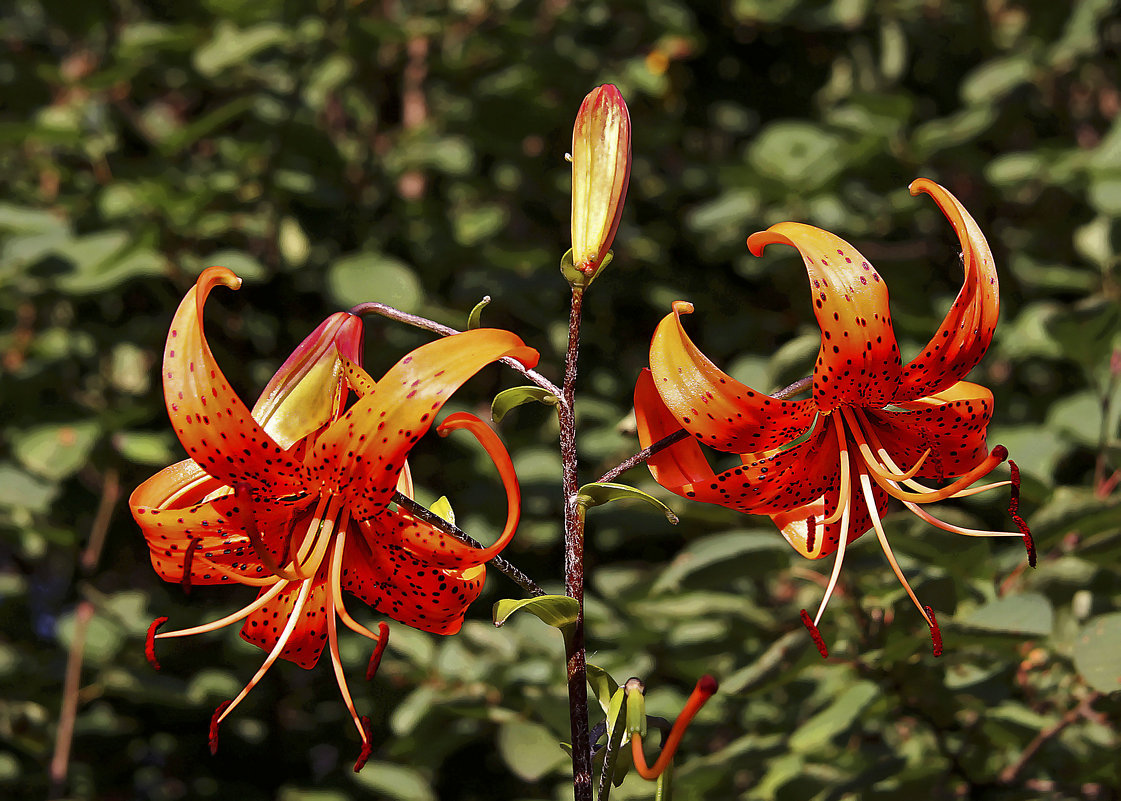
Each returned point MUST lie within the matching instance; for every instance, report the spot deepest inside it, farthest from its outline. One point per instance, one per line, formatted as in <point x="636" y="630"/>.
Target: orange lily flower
<point x="294" y="498"/>
<point x="823" y="468"/>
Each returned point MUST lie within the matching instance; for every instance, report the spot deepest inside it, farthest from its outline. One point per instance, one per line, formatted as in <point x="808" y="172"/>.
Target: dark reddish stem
<point x="574" y="562"/>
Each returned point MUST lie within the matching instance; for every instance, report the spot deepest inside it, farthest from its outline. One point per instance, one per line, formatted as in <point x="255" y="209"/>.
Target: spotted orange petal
<point x="965" y="334"/>
<point x="209" y="418"/>
<point x="264" y="626"/>
<point x="406" y="587"/>
<point x="711" y="405"/>
<point x="363" y="453"/>
<point x="858" y="363"/>
<point x="951" y="423"/>
<point x="191" y="524"/>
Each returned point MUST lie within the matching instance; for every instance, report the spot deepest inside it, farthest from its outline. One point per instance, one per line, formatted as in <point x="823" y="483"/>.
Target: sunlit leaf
<point x="597" y="494"/>
<point x="508" y="399"/>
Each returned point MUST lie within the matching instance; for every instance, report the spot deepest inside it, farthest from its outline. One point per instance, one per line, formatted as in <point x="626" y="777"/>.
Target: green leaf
<point x="835" y="719"/>
<point x="530" y="750"/>
<point x="474" y="319"/>
<point x="597" y="494"/>
<point x="443" y="508"/>
<point x="231" y="45"/>
<point x="602" y="685"/>
<point x="714" y="550"/>
<point x="55" y="451"/>
<point x="374" y="276"/>
<point x="508" y="399"/>
<point x="395" y="781"/>
<point x="1097" y="652"/>
<point x="797" y="154"/>
<point x="1030" y="613"/>
<point x="559" y="611"/>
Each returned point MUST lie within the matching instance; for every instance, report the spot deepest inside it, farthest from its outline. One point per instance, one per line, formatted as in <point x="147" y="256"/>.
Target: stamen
<point x="852" y="416"/>
<point x="241" y="614"/>
<point x="819" y="641"/>
<point x="874" y="513"/>
<point x="215" y="719"/>
<point x="188" y="558"/>
<point x="150" y="642"/>
<point x="704" y="690"/>
<point x="333" y="635"/>
<point x="1014" y="511"/>
<point x="248" y="523"/>
<point x="935" y="632"/>
<point x="846" y="516"/>
<point x="998" y="455"/>
<point x="367" y="744"/>
<point x="845" y="496"/>
<point x="379" y="649"/>
<point x="922" y="514"/>
<point x="811" y="532"/>
<point x="290" y="626"/>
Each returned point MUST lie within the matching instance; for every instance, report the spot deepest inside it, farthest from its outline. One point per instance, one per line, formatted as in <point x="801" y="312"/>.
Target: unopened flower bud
<point x="601" y="167"/>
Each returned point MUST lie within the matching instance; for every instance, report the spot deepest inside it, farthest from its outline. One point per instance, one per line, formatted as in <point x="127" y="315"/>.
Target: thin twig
<point x="499" y="562"/>
<point x="1084" y="709"/>
<point x="446" y="331"/>
<point x="68" y="714"/>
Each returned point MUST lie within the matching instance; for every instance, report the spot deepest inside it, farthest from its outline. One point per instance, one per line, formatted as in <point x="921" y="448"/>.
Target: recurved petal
<point x="304" y="645"/>
<point x="189" y="522"/>
<point x="363" y="453"/>
<point x="403" y="586"/>
<point x="209" y="418"/>
<point x="711" y="405"/>
<point x="965" y="334"/>
<point x="951" y="423"/>
<point x="803" y="527"/>
<point x="858" y="363"/>
<point x="308" y="390"/>
<point x="764" y="484"/>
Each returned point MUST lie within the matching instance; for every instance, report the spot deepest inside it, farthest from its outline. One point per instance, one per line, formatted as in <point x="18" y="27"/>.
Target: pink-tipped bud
<point x="308" y="389"/>
<point x="601" y="168"/>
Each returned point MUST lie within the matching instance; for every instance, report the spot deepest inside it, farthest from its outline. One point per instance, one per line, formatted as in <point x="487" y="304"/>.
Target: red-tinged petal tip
<point x="819" y="641"/>
<point x="707" y="685"/>
<point x="367" y="744"/>
<point x="150" y="642"/>
<point x="935" y="632"/>
<point x="379" y="649"/>
<point x="222" y="707"/>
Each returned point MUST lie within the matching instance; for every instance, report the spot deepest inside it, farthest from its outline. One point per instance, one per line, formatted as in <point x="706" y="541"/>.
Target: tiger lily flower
<point x="823" y="468"/>
<point x="294" y="497"/>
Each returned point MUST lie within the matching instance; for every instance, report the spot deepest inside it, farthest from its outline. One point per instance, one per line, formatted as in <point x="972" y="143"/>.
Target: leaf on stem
<point x="559" y="611"/>
<point x="507" y="399"/>
<point x="475" y="318"/>
<point x="596" y="494"/>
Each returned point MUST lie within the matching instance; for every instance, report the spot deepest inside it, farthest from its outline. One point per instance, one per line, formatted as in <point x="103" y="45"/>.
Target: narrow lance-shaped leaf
<point x="507" y="399"/>
<point x="596" y="494"/>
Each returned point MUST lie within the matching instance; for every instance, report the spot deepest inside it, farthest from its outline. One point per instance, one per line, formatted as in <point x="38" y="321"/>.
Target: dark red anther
<point x="935" y="632"/>
<point x="819" y="641"/>
<point x="1014" y="511"/>
<point x="150" y="642"/>
<point x="367" y="744"/>
<point x="811" y="533"/>
<point x="188" y="559"/>
<point x="707" y="685"/>
<point x="222" y="707"/>
<point x="375" y="657"/>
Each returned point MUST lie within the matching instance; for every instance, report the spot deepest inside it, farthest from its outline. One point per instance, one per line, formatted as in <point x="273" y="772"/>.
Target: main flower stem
<point x="574" y="562"/>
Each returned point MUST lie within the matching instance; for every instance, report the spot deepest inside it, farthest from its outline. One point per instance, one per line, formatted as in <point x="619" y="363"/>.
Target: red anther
<point x="375" y="657"/>
<point x="222" y="707"/>
<point x="188" y="558"/>
<point x="150" y="642"/>
<point x="935" y="632"/>
<point x="1014" y="511"/>
<point x="811" y="533"/>
<point x="819" y="641"/>
<point x="367" y="744"/>
<point x="1000" y="452"/>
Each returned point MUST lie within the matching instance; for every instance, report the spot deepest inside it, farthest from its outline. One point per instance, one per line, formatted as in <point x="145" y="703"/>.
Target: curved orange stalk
<point x="704" y="690"/>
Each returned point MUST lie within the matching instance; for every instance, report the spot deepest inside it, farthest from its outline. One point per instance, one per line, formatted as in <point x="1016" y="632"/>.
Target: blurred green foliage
<point x="412" y="152"/>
